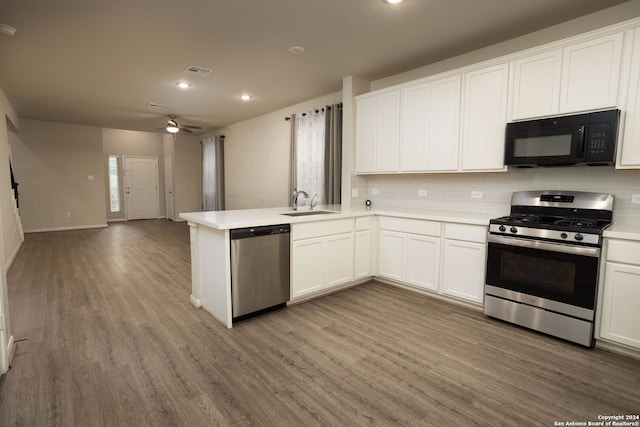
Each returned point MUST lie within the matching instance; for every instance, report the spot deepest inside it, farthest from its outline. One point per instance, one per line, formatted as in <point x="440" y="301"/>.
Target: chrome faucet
<point x="295" y="198"/>
<point x="314" y="202"/>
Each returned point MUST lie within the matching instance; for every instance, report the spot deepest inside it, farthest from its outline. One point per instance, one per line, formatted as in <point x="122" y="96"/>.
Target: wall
<point x="122" y="143"/>
<point x="257" y="154"/>
<point x="187" y="175"/>
<point x="453" y="191"/>
<point x="53" y="163"/>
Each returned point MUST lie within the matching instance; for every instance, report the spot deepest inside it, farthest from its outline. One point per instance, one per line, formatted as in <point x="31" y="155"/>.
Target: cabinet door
<point x="463" y="272"/>
<point x="629" y="151"/>
<point x="591" y="74"/>
<point x="363" y="254"/>
<point x="423" y="261"/>
<point x="366" y="115"/>
<point x="388" y="132"/>
<point x="443" y="124"/>
<point x="536" y="85"/>
<point x="339" y="259"/>
<point x="307" y="266"/>
<point x="484" y="118"/>
<point x="413" y="125"/>
<point x="391" y="254"/>
<point x="620" y="318"/>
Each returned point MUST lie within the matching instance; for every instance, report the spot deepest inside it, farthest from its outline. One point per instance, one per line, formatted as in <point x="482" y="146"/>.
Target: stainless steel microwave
<point x="581" y="139"/>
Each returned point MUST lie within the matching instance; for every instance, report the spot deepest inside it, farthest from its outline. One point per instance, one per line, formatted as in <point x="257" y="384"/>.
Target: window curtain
<point x="213" y="174"/>
<point x="316" y="153"/>
<point x="333" y="154"/>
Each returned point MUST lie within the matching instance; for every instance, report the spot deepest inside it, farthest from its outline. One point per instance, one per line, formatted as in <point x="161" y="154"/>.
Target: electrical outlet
<point x="68" y="214"/>
<point x="422" y="193"/>
<point x="354" y="192"/>
<point x="476" y="194"/>
<point x="635" y="199"/>
<point x="375" y="191"/>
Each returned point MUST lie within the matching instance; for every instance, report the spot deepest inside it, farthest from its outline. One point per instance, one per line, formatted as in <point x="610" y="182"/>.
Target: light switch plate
<point x="375" y="191"/>
<point x="476" y="194"/>
<point x="422" y="193"/>
<point x="635" y="199"/>
<point x="354" y="192"/>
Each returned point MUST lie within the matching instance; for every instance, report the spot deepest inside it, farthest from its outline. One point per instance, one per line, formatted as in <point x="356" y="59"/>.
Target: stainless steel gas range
<point x="542" y="262"/>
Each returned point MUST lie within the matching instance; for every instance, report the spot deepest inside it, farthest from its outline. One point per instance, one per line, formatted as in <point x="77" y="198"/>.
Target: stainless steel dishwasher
<point x="259" y="268"/>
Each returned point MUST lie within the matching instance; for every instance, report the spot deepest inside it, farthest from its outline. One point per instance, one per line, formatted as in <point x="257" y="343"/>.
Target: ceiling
<point x="99" y="62"/>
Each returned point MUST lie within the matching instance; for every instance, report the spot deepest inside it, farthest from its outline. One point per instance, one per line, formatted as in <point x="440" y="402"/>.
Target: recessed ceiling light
<point x="296" y="50"/>
<point x="7" y="30"/>
<point x="245" y="97"/>
<point x="393" y="1"/>
<point x="183" y="85"/>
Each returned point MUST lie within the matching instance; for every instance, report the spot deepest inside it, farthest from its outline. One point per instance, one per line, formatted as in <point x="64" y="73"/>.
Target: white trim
<point x="12" y="257"/>
<point x="196" y="302"/>
<point x="81" y="227"/>
<point x="117" y="220"/>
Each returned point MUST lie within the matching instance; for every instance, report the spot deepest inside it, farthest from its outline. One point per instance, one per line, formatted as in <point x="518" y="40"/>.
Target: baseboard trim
<point x="12" y="257"/>
<point x="195" y="301"/>
<point x="117" y="220"/>
<point x="78" y="227"/>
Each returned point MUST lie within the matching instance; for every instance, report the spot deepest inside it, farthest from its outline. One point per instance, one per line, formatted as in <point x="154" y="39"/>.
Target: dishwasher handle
<point x="268" y="230"/>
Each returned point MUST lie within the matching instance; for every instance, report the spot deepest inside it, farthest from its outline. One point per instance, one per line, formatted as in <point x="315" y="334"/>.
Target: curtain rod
<point x="317" y="110"/>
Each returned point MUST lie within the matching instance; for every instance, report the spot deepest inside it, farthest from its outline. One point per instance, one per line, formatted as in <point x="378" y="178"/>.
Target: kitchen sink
<point x="306" y="213"/>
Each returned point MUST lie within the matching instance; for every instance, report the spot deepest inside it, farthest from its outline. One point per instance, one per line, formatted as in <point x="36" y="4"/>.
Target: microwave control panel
<point x="600" y="143"/>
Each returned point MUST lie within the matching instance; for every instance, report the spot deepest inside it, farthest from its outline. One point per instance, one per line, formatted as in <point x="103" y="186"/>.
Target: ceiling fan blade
<point x="185" y="130"/>
<point x="191" y="127"/>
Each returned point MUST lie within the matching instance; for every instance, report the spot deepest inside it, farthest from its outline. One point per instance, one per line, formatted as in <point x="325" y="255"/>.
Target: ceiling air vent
<point x="155" y="105"/>
<point x="202" y="72"/>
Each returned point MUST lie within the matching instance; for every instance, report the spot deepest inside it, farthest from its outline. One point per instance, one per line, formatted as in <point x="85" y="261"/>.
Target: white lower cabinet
<point x="464" y="261"/>
<point x="405" y="256"/>
<point x="322" y="256"/>
<point x="363" y="244"/>
<point x="620" y="310"/>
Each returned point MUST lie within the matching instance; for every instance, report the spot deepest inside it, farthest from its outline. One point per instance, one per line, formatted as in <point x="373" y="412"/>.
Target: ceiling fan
<point x="174" y="127"/>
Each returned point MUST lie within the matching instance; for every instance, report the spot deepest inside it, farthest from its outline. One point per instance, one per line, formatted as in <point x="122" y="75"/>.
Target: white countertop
<point x="226" y="220"/>
<point x="623" y="230"/>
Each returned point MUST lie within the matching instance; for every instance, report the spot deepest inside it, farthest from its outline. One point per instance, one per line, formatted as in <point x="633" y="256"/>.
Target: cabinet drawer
<point x="363" y="223"/>
<point x="321" y="228"/>
<point x="624" y="251"/>
<point x="415" y="226"/>
<point x="466" y="232"/>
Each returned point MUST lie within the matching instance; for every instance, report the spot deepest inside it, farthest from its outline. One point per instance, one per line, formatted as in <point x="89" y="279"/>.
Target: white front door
<point x="141" y="187"/>
<point x="168" y="185"/>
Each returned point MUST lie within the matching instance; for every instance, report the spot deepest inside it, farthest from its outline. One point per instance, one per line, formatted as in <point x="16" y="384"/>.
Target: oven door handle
<point x="547" y="246"/>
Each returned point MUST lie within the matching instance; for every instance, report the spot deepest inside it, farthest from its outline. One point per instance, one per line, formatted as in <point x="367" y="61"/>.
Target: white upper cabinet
<point x="443" y="134"/>
<point x="591" y="74"/>
<point x="629" y="149"/>
<point x="413" y="128"/>
<point x="429" y="126"/>
<point x="378" y="132"/>
<point x="536" y="85"/>
<point x="484" y="117"/>
<point x="579" y="77"/>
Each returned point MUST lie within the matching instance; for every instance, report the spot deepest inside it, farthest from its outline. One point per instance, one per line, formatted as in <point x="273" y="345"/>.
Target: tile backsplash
<point x="490" y="193"/>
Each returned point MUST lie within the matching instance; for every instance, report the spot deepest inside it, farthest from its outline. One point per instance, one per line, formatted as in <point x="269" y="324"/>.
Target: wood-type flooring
<point x="106" y="336"/>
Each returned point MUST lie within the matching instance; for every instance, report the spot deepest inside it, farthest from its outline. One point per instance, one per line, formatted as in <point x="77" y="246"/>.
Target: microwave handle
<point x="580" y="145"/>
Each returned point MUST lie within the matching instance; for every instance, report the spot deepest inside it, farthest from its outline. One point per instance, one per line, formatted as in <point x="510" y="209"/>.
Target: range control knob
<point x="513" y="230"/>
<point x="564" y="235"/>
<point x="502" y="228"/>
<point x="578" y="237"/>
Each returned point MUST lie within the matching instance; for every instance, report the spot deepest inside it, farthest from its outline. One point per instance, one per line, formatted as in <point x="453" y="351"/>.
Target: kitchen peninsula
<point x="344" y="246"/>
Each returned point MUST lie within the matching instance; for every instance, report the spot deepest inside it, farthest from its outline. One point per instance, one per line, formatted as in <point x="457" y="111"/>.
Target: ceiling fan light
<point x="172" y="127"/>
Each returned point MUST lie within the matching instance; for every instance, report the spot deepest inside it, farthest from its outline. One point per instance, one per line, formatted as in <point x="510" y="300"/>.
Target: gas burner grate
<point x="577" y="222"/>
<point x="528" y="218"/>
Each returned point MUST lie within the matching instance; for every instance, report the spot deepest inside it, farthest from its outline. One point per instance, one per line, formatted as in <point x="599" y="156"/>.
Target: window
<point x="114" y="184"/>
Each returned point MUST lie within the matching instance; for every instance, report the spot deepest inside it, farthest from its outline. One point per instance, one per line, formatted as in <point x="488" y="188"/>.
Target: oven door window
<point x="567" y="278"/>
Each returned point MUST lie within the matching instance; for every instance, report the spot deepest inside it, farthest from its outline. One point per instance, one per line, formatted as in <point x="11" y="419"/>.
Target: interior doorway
<point x="141" y="187"/>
